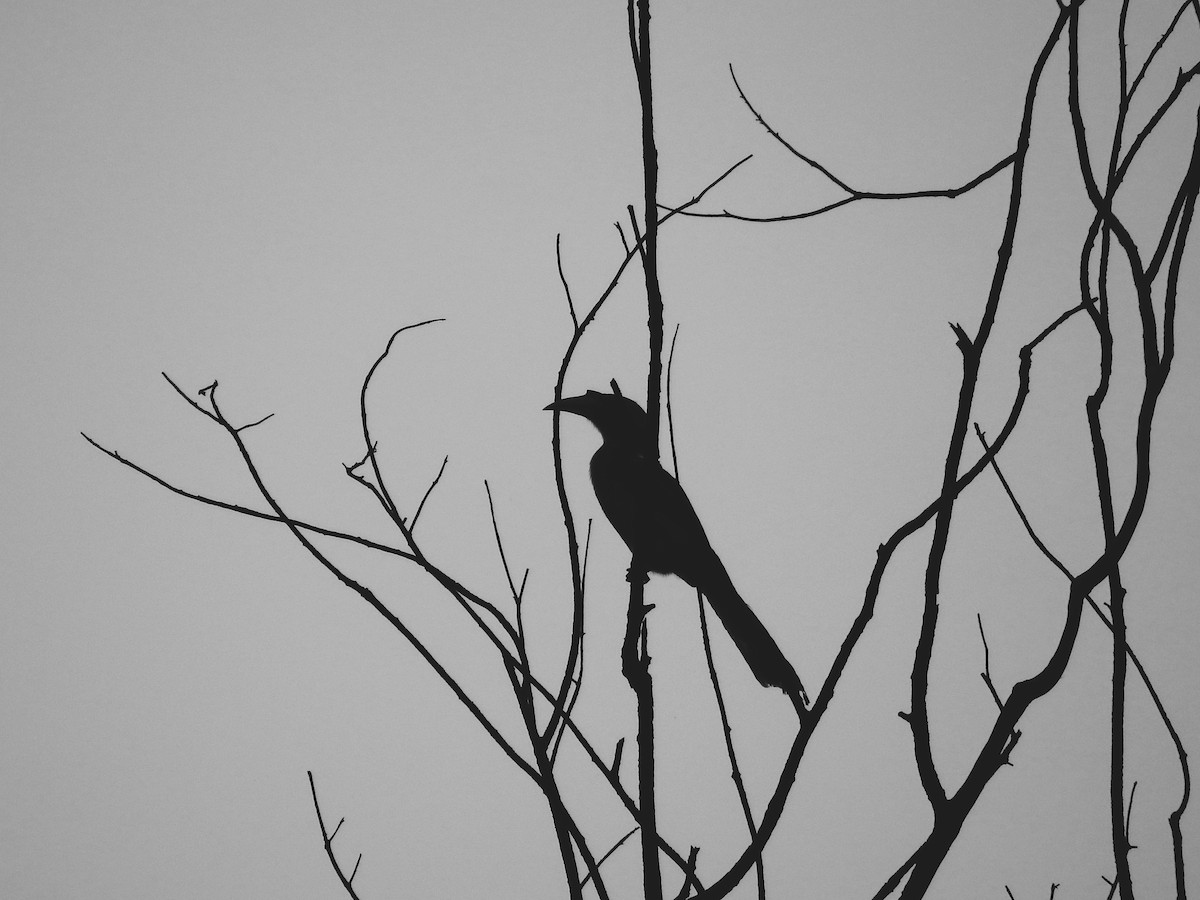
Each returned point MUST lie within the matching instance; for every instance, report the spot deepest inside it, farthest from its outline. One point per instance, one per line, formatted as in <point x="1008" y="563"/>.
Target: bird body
<point x="653" y="516"/>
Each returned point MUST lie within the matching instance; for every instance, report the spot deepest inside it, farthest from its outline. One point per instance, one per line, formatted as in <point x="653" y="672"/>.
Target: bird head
<point x="618" y="419"/>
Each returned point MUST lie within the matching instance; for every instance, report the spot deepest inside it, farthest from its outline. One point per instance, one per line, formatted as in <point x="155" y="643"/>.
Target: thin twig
<point x="412" y="525"/>
<point x="1137" y="80"/>
<point x="516" y="594"/>
<point x="563" y="278"/>
<point x="986" y="674"/>
<point x="611" y="850"/>
<point x="669" y="407"/>
<point x="735" y="772"/>
<point x="327" y="840"/>
<point x="896" y="877"/>
<point x="726" y="729"/>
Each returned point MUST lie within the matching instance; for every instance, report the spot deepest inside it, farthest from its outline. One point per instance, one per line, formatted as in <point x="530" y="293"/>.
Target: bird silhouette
<point x="652" y="514"/>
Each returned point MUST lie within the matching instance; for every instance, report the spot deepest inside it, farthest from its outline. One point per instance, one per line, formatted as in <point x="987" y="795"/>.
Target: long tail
<point x="759" y="649"/>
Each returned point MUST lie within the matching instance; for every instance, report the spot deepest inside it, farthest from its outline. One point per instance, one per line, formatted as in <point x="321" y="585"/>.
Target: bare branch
<point x="412" y="525"/>
<point x="563" y="278"/>
<point x="852" y="194"/>
<point x="986" y="674"/>
<point x="895" y="878"/>
<point x="252" y="424"/>
<point x="516" y="594"/>
<point x="884" y="555"/>
<point x="327" y="840"/>
<point x="688" y="873"/>
<point x="246" y="510"/>
<point x="683" y="208"/>
<point x="611" y="850"/>
<point x="1180" y="752"/>
<point x="364" y="592"/>
<point x="610" y="773"/>
<point x="775" y="134"/>
<point x="735" y="771"/>
<point x="389" y="504"/>
<point x="1167" y="32"/>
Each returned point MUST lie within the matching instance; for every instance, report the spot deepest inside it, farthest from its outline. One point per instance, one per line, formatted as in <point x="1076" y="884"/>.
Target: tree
<point x="1110" y="330"/>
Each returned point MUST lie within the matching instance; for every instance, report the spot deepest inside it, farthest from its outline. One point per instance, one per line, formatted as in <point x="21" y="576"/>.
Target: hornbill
<point x="653" y="515"/>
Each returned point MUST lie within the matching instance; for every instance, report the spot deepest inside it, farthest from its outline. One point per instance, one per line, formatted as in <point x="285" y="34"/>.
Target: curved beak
<point x="567" y="405"/>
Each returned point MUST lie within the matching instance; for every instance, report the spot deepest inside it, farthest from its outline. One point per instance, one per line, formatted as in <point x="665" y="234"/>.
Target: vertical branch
<point x="950" y="813"/>
<point x="654" y="303"/>
<point x="1100" y="461"/>
<point x="972" y="354"/>
<point x="635" y="665"/>
<point x="1190" y="189"/>
<point x="566" y="831"/>
<point x="735" y="771"/>
<point x="1103" y="472"/>
<point x="1155" y="370"/>
<point x="520" y="678"/>
<point x="575" y="647"/>
<point x="636" y="657"/>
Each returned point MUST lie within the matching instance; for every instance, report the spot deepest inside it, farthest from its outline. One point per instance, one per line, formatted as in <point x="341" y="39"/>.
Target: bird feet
<point x="637" y="575"/>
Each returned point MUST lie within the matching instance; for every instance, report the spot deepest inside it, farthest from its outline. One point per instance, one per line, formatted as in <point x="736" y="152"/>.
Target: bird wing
<point x="652" y="514"/>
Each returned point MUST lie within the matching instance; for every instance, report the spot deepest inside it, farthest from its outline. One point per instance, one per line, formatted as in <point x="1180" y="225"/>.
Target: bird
<point x="652" y="514"/>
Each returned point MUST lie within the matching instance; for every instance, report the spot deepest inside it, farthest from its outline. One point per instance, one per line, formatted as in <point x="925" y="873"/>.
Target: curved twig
<point x="852" y="194"/>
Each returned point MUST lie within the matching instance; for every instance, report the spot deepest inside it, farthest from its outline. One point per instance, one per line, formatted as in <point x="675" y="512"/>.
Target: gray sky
<point x="260" y="193"/>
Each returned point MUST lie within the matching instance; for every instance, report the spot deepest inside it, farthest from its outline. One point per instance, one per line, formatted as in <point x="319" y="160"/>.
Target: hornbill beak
<point x="580" y="406"/>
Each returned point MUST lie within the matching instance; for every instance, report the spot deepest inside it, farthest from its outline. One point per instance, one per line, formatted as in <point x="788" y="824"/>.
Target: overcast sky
<point x="260" y="193"/>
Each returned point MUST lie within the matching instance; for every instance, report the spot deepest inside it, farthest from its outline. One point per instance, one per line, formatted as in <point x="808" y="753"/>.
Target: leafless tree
<point x="1132" y="268"/>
